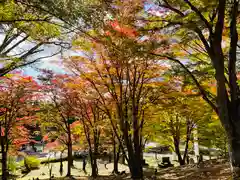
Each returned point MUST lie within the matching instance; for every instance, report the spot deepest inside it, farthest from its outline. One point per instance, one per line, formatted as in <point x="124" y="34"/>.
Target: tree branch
<point x="208" y="25"/>
<point x="9" y="21"/>
<point x="168" y="6"/>
<point x="220" y="21"/>
<point x="15" y="45"/>
<point x="12" y="66"/>
<point x="202" y="91"/>
<point x="232" y="53"/>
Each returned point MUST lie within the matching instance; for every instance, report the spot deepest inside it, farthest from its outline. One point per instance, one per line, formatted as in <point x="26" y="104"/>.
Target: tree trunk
<point x="116" y="155"/>
<point x="136" y="169"/>
<point x="234" y="153"/>
<point x="188" y="133"/>
<point x="94" y="166"/>
<point x="178" y="152"/>
<point x="4" y="165"/>
<point x="4" y="159"/>
<point x="134" y="163"/>
<point x="115" y="165"/>
<point x="134" y="160"/>
<point x="70" y="159"/>
<point x="93" y="160"/>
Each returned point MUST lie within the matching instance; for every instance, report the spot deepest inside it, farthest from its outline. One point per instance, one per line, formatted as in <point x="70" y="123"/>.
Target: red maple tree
<point x="17" y="94"/>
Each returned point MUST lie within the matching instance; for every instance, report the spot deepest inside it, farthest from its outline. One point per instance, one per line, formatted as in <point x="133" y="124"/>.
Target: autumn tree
<point x="122" y="78"/>
<point x="91" y="118"/>
<point x="60" y="110"/>
<point x="211" y="134"/>
<point x="25" y="34"/>
<point x="177" y="118"/>
<point x="207" y="30"/>
<point x="18" y="94"/>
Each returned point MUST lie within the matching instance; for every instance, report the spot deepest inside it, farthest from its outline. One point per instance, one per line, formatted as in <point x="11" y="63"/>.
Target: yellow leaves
<point x="215" y="116"/>
<point x="9" y="75"/>
<point x="180" y="54"/>
<point x="82" y="44"/>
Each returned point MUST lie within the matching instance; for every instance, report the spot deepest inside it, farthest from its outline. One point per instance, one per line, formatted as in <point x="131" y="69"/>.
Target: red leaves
<point x="52" y="145"/>
<point x="129" y="32"/>
<point x="54" y="81"/>
<point x="17" y="94"/>
<point x="2" y="110"/>
<point x="76" y="123"/>
<point x="45" y="138"/>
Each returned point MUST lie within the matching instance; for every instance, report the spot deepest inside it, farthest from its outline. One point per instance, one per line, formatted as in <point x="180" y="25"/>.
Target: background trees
<point x="18" y="94"/>
<point x="139" y="63"/>
<point x="25" y="35"/>
<point x="61" y="110"/>
<point x="123" y="79"/>
<point x="210" y="36"/>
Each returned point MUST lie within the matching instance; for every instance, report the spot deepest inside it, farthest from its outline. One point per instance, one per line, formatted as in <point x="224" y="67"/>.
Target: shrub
<point x="31" y="162"/>
<point x="12" y="165"/>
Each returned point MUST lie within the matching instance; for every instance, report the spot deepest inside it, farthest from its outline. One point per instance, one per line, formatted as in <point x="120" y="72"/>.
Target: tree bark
<point x="178" y="152"/>
<point x="115" y="157"/>
<point x="234" y="152"/>
<point x="188" y="133"/>
<point x="70" y="158"/>
<point x="4" y="158"/>
<point x="4" y="165"/>
<point x="136" y="169"/>
<point x="93" y="160"/>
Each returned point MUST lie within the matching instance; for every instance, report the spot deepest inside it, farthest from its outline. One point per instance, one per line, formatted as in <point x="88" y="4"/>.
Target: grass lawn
<point x="43" y="171"/>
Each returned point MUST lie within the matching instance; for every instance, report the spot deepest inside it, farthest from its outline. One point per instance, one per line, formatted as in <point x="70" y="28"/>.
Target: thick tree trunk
<point x="178" y="152"/>
<point x="234" y="153"/>
<point x="136" y="169"/>
<point x="4" y="165"/>
<point x="135" y="164"/>
<point x="4" y="159"/>
<point x="93" y="160"/>
<point x="94" y="167"/>
<point x="134" y="161"/>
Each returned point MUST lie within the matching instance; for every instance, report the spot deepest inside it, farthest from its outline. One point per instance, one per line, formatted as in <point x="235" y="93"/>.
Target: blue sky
<point x="50" y="63"/>
<point x="53" y="63"/>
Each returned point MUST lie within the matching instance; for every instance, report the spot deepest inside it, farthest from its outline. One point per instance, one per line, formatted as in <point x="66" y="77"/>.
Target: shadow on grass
<point x="213" y="172"/>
